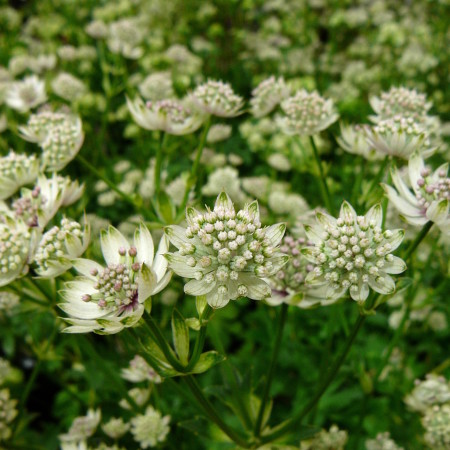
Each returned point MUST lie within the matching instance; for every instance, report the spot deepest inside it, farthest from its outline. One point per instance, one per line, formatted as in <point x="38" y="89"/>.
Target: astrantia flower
<point x="334" y="439"/>
<point x="216" y="98"/>
<point x="125" y="37"/>
<point x="383" y="441"/>
<point x="157" y="86"/>
<point x="398" y="136"/>
<point x="115" y="428"/>
<point x="400" y="101"/>
<point x="59" y="246"/>
<point x="139" y="371"/>
<point x="306" y="113"/>
<point x="39" y="124"/>
<point x="436" y="422"/>
<point x="16" y="170"/>
<point x="107" y="299"/>
<point x="434" y="390"/>
<point x="353" y="253"/>
<point x="150" y="428"/>
<point x="170" y="116"/>
<point x="267" y="95"/>
<point x="226" y="253"/>
<point x="26" y="94"/>
<point x="430" y="198"/>
<point x="353" y="140"/>
<point x="82" y="427"/>
<point x="8" y="413"/>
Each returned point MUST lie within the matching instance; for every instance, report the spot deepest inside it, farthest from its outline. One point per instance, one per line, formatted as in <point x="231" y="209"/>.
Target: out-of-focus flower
<point x="8" y="302"/>
<point x="68" y="87"/>
<point x="97" y="29"/>
<point x="430" y="198"/>
<point x="383" y="441"/>
<point x="139" y="370"/>
<point x="39" y="124"/>
<point x="26" y="94"/>
<point x="267" y="95"/>
<point x="105" y="300"/>
<point x="225" y="179"/>
<point x="434" y="390"/>
<point x="59" y="246"/>
<point x="353" y="253"/>
<point x="139" y="395"/>
<point x="115" y="428"/>
<point x="279" y="162"/>
<point x="400" y="137"/>
<point x="286" y="203"/>
<point x="218" y="132"/>
<point x="7" y="415"/>
<point x="353" y="140"/>
<point x="334" y="439"/>
<point x="216" y="98"/>
<point x="5" y="370"/>
<point x="16" y="170"/>
<point x="170" y="116"/>
<point x="157" y="86"/>
<point x="226" y="253"/>
<point x="150" y="428"/>
<point x="436" y="422"/>
<point x="125" y="37"/>
<point x="82" y="427"/>
<point x="306" y="113"/>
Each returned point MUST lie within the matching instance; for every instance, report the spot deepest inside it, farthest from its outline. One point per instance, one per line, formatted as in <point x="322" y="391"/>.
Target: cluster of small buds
<point x="383" y="441"/>
<point x="291" y="277"/>
<point x="353" y="253"/>
<point x="267" y="95"/>
<point x="333" y="439"/>
<point x="39" y="124"/>
<point x="430" y="190"/>
<point x="8" y="413"/>
<point x="68" y="87"/>
<point x="218" y="132"/>
<point x="26" y="208"/>
<point x="401" y="101"/>
<point x="157" y="86"/>
<point x="306" y="113"/>
<point x="216" y="98"/>
<point x="150" y="428"/>
<point x="139" y="371"/>
<point x="398" y="124"/>
<point x="436" y="422"/>
<point x="435" y="389"/>
<point x="227" y="253"/>
<point x="175" y="111"/>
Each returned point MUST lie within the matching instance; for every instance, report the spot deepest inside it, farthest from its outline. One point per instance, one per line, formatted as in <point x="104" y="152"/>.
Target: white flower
<point x="306" y="113"/>
<point x="430" y="198"/>
<point x="139" y="370"/>
<point x="105" y="300"/>
<point x="218" y="132"/>
<point x="16" y="170"/>
<point x="125" y="37"/>
<point x="8" y="413"/>
<point x="267" y="95"/>
<point x="434" y="390"/>
<point x="353" y="253"/>
<point x="115" y="428"/>
<point x="353" y="140"/>
<point x="333" y="439"/>
<point x="82" y="427"/>
<point x="59" y="246"/>
<point x="383" y="441"/>
<point x="68" y="87"/>
<point x="38" y="124"/>
<point x="216" y="98"/>
<point x="157" y="86"/>
<point x="171" y="116"/>
<point x="226" y="253"/>
<point x="26" y="94"/>
<point x="150" y="428"/>
<point x="436" y="422"/>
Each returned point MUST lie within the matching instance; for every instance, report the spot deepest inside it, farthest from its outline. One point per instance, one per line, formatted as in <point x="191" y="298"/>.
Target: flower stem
<point x="193" y="175"/>
<point x="419" y="238"/>
<point x="212" y="414"/>
<point x="378" y="177"/>
<point x="276" y="349"/>
<point x="334" y="369"/>
<point x="159" y="157"/>
<point x="322" y="180"/>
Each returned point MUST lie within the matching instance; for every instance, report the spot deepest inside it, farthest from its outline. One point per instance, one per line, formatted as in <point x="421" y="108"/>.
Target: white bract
<point x="353" y="253"/>
<point x="267" y="95"/>
<point x="306" y="113"/>
<point x="430" y="198"/>
<point x="171" y="116"/>
<point x="353" y="140"/>
<point x="227" y="254"/>
<point x="26" y="94"/>
<point x="107" y="299"/>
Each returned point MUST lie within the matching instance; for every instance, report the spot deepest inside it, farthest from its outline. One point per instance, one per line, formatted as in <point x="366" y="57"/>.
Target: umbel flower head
<point x="107" y="299"/>
<point x="150" y="428"/>
<point x="352" y="253"/>
<point x="16" y="170"/>
<point x="26" y="94"/>
<point x="216" y="98"/>
<point x="227" y="254"/>
<point x="267" y="95"/>
<point x="430" y="198"/>
<point x="306" y="113"/>
<point x="171" y="116"/>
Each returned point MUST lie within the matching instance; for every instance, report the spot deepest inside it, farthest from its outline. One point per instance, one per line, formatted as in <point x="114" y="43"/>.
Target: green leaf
<point x="207" y="360"/>
<point x="180" y="332"/>
<point x="164" y="208"/>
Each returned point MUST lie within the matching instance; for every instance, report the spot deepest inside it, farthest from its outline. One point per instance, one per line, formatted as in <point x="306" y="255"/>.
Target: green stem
<point x="322" y="180"/>
<point x="378" y="177"/>
<point x="212" y="414"/>
<point x="419" y="238"/>
<point x="193" y="175"/>
<point x="334" y="369"/>
<point x="159" y="157"/>
<point x="276" y="349"/>
<point x="357" y="186"/>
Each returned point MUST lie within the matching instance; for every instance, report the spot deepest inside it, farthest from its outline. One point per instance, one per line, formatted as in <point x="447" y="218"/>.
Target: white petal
<point x="223" y="200"/>
<point x="402" y="188"/>
<point x="177" y="235"/>
<point x="375" y="214"/>
<point x="415" y="167"/>
<point x="86" y="266"/>
<point x="384" y="286"/>
<point x="401" y="204"/>
<point x="146" y="283"/>
<point x="347" y="211"/>
<point x="361" y="294"/>
<point x="215" y="300"/>
<point x="160" y="263"/>
<point x="198" y="287"/>
<point x="397" y="265"/>
<point x="396" y="239"/>
<point x="275" y="233"/>
<point x="111" y="241"/>
<point x="314" y="234"/>
<point x="144" y="244"/>
<point x="162" y="283"/>
<point x="438" y="211"/>
<point x="178" y="264"/>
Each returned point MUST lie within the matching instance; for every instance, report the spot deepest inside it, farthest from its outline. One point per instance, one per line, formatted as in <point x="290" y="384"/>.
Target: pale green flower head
<point x="430" y="196"/>
<point x="267" y="96"/>
<point x="150" y="428"/>
<point x="352" y="253"/>
<point x="226" y="253"/>
<point x="107" y="299"/>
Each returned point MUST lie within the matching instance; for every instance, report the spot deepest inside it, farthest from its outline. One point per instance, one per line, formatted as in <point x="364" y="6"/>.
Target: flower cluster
<point x="125" y="37"/>
<point x="434" y="390"/>
<point x="150" y="428"/>
<point x="267" y="95"/>
<point x="107" y="299"/>
<point x="216" y="98"/>
<point x="226" y="253"/>
<point x="436" y="422"/>
<point x="353" y="253"/>
<point x="306" y="113"/>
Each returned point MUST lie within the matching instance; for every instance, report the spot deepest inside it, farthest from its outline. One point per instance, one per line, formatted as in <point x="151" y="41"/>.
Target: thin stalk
<point x="378" y="177"/>
<point x="357" y="186"/>
<point x="193" y="175"/>
<point x="334" y="369"/>
<point x="159" y="157"/>
<point x="322" y="180"/>
<point x="419" y="238"/>
<point x="211" y="412"/>
<point x="273" y="362"/>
